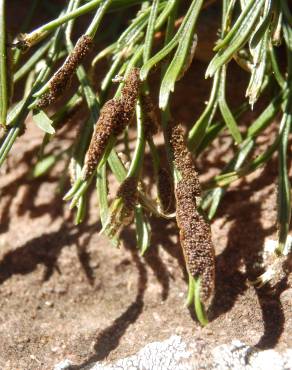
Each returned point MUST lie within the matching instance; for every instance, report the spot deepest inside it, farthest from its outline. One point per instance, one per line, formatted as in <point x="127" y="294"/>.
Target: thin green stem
<point x="24" y="26"/>
<point x="3" y="66"/>
<point x="140" y="146"/>
<point x="31" y="62"/>
<point x="199" y="308"/>
<point x="150" y="30"/>
<point x="92" y="29"/>
<point x="38" y="34"/>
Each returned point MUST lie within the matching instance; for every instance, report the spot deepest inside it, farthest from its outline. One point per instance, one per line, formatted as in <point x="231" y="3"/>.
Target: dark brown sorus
<point x="183" y="158"/>
<point x="165" y="190"/>
<point x="151" y="124"/>
<point x="195" y="238"/>
<point x="194" y="230"/>
<point x="115" y="115"/>
<point x="63" y="76"/>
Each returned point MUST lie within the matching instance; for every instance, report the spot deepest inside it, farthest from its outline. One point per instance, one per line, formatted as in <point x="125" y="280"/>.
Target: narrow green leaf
<point x="248" y="9"/>
<point x="134" y="30"/>
<point x="117" y="166"/>
<point x="102" y="190"/>
<point x="199" y="307"/>
<point x="286" y="11"/>
<point x="167" y="48"/>
<point x="191" y="291"/>
<point x="275" y="67"/>
<point x="143" y="233"/>
<point x="230" y="121"/>
<point x="262" y="27"/>
<point x="214" y="129"/>
<point x="43" y="121"/>
<point x="81" y="210"/>
<point x="197" y="132"/>
<point x="284" y="193"/>
<point x="44" y="165"/>
<point x="217" y="195"/>
<point x="266" y="116"/>
<point x="93" y="27"/>
<point x="31" y="62"/>
<point x="8" y="142"/>
<point x="181" y="56"/>
<point x="225" y="111"/>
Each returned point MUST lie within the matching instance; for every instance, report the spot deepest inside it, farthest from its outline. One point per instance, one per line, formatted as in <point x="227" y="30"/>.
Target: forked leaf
<point x="258" y="48"/>
<point x="247" y="9"/>
<point x="236" y="38"/>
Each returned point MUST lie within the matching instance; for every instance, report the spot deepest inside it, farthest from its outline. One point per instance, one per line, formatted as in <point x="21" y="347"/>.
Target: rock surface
<point x="175" y="354"/>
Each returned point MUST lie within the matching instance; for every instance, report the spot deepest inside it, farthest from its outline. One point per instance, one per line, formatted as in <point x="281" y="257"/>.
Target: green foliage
<point x="254" y="33"/>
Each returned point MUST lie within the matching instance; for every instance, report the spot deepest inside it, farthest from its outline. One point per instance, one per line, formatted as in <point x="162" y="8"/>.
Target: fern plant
<point x="253" y="33"/>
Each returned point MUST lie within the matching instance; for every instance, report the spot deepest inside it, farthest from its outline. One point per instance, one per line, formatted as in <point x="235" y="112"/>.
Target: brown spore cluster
<point x="195" y="232"/>
<point x="115" y="115"/>
<point x="63" y="76"/>
<point x="183" y="158"/>
<point x="165" y="190"/>
<point x="150" y="116"/>
<point x="130" y="90"/>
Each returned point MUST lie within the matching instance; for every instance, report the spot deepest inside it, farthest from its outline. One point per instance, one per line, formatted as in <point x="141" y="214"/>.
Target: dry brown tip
<point x="128" y="192"/>
<point x="3" y="131"/>
<point x="22" y="43"/>
<point x="63" y="76"/>
<point x="72" y="171"/>
<point x="122" y="208"/>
